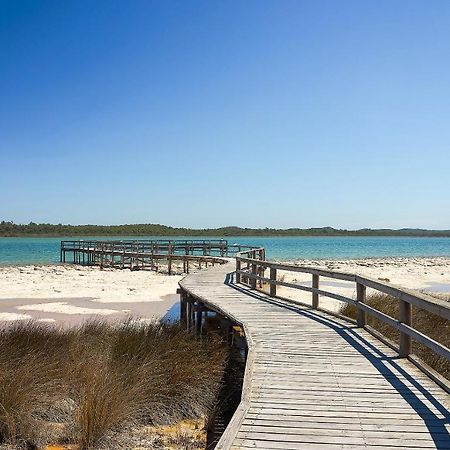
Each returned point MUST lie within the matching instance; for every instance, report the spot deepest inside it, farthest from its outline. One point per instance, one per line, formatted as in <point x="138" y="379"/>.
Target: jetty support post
<point x="183" y="306"/>
<point x="199" y="317"/>
<point x="315" y="294"/>
<point x="188" y="314"/>
<point x="273" y="279"/>
<point x="405" y="317"/>
<point x="361" y="298"/>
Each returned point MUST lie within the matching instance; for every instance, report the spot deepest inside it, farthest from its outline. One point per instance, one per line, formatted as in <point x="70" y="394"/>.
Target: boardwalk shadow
<point x="387" y="366"/>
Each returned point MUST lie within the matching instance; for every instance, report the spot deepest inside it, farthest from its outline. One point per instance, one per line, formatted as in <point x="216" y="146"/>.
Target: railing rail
<point x="251" y="267"/>
<point x="160" y="245"/>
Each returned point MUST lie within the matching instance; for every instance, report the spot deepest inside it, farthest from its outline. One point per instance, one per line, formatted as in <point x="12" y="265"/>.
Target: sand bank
<point x="422" y="274"/>
<point x="70" y="294"/>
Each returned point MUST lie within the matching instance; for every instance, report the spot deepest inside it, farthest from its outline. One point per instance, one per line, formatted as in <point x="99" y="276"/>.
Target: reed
<point x="91" y="385"/>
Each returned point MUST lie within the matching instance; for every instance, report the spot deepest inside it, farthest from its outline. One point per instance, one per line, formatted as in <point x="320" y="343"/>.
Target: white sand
<point x="61" y="292"/>
<point x="422" y="274"/>
<point x="67" y="308"/>
<point x="68" y="293"/>
<point x="106" y="286"/>
<point x="10" y="317"/>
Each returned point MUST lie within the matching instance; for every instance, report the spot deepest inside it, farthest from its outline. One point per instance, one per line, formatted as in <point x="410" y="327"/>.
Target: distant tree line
<point x="11" y="229"/>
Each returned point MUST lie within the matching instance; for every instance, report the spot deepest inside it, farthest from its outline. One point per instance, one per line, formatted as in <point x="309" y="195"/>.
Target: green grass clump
<point x="427" y="323"/>
<point x="89" y="385"/>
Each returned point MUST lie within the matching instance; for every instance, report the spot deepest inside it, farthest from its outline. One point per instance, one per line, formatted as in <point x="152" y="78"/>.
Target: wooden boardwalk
<point x="314" y="381"/>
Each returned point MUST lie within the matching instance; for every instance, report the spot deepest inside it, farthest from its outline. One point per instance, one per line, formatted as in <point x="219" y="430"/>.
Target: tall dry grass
<point x="89" y="385"/>
<point x="431" y="325"/>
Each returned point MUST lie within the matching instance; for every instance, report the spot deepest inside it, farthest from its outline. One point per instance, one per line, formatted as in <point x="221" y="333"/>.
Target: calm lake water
<point x="46" y="250"/>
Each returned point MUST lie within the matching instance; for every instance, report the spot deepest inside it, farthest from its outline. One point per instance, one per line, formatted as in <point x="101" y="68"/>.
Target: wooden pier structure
<point x="317" y="380"/>
<point x="159" y="255"/>
<point x="313" y="379"/>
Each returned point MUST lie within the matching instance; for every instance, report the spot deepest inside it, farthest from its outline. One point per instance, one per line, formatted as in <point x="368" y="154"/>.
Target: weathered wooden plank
<point x="331" y="423"/>
<point x="362" y="441"/>
<point x="395" y="434"/>
<point x="286" y="445"/>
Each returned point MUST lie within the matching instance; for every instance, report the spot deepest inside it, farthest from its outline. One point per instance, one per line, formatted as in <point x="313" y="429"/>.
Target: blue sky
<point x="210" y="113"/>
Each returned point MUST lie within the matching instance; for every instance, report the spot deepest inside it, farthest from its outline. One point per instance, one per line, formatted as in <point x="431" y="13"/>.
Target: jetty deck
<point x="316" y="381"/>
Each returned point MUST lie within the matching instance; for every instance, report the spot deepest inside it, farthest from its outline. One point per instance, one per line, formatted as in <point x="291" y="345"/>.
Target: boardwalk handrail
<point x="251" y="265"/>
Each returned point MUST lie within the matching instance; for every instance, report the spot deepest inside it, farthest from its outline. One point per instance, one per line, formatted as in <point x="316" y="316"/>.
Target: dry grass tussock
<point x="433" y="326"/>
<point x="91" y="385"/>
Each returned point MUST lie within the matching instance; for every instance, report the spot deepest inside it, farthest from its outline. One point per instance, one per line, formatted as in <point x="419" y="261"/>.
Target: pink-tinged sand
<point x="71" y="294"/>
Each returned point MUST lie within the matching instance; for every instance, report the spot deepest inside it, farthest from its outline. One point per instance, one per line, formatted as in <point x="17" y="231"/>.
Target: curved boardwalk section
<point x="314" y="381"/>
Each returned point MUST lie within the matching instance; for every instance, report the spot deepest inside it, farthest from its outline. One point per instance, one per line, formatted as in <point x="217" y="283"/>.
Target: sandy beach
<point x="69" y="294"/>
<point x="422" y="274"/>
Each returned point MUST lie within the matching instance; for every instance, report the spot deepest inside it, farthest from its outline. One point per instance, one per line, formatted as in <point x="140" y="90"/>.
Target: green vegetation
<point x="429" y="324"/>
<point x="10" y="229"/>
<point x="98" y="385"/>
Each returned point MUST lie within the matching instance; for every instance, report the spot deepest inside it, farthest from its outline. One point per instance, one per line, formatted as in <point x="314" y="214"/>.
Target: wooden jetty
<point x="315" y="380"/>
<point x="160" y="254"/>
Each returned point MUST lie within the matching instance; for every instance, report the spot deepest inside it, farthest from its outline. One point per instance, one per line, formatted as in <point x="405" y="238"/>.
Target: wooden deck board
<point x="317" y="381"/>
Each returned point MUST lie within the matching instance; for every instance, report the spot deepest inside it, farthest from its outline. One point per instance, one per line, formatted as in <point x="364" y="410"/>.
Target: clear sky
<point x="209" y="113"/>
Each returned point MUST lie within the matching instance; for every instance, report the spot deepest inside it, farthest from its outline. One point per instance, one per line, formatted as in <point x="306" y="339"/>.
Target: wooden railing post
<point x="360" y="298"/>
<point x="254" y="273"/>
<point x="315" y="295"/>
<point x="238" y="267"/>
<point x="405" y="316"/>
<point x="273" y="287"/>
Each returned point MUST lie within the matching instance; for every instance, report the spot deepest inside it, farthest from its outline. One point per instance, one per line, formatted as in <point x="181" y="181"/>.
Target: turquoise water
<point x="46" y="250"/>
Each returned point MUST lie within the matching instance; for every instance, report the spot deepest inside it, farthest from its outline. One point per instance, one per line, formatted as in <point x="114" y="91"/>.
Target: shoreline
<point x="295" y="261"/>
<point x="68" y="293"/>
